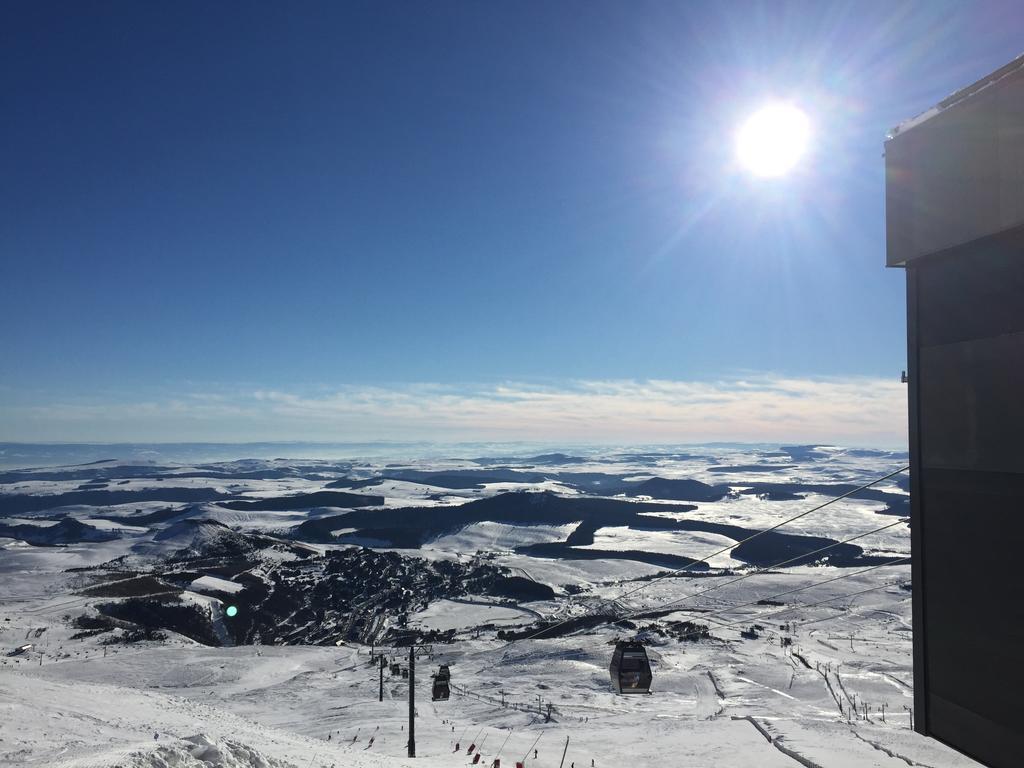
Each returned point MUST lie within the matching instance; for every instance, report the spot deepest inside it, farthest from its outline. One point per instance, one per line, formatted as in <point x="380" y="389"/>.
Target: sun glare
<point x="772" y="140"/>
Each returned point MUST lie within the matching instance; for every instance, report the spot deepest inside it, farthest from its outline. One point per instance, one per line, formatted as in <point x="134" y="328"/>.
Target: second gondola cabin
<point x="630" y="669"/>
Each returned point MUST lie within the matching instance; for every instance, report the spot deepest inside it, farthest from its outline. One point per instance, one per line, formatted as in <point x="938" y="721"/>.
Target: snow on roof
<point x="216" y="584"/>
<point x="958" y="96"/>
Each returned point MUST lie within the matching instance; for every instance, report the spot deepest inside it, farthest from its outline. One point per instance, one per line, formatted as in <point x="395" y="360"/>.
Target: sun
<point x="773" y="139"/>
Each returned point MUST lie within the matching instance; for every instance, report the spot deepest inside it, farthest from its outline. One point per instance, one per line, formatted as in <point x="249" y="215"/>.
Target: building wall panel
<point x="966" y="337"/>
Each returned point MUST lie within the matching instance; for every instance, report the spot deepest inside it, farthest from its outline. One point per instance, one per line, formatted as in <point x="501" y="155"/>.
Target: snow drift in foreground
<point x="200" y="751"/>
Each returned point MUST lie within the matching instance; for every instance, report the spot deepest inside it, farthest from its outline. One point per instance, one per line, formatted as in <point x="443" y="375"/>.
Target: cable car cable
<point x="686" y="567"/>
<point x="762" y="533"/>
<point x="721" y="611"/>
<point x="768" y="568"/>
<point x="789" y="608"/>
<point x="812" y="585"/>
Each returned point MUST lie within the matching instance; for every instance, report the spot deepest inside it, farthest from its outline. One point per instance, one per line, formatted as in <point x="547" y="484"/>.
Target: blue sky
<point x="343" y="221"/>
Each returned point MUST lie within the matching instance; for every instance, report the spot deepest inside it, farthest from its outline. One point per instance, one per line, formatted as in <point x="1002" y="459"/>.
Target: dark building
<point x="955" y="222"/>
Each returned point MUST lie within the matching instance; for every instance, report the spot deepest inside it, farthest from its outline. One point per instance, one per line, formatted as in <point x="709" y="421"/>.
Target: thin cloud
<point x="852" y="410"/>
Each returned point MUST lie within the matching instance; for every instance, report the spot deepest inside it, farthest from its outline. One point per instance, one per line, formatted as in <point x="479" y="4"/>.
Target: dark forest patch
<point x="679" y="490"/>
<point x="411" y="527"/>
<point x="132" y="587"/>
<point x="184" y="618"/>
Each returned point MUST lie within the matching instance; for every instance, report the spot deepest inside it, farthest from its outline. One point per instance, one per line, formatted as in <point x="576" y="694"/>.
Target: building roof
<point x="955" y="174"/>
<point x="957" y="96"/>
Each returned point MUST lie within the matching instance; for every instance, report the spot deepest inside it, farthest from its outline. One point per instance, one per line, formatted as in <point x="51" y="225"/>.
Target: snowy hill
<point x="200" y="536"/>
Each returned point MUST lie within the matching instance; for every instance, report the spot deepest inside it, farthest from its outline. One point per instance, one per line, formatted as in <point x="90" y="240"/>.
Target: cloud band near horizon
<point x="852" y="411"/>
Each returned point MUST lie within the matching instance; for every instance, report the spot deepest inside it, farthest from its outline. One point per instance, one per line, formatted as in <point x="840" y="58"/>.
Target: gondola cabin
<point x="441" y="689"/>
<point x="630" y="669"/>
